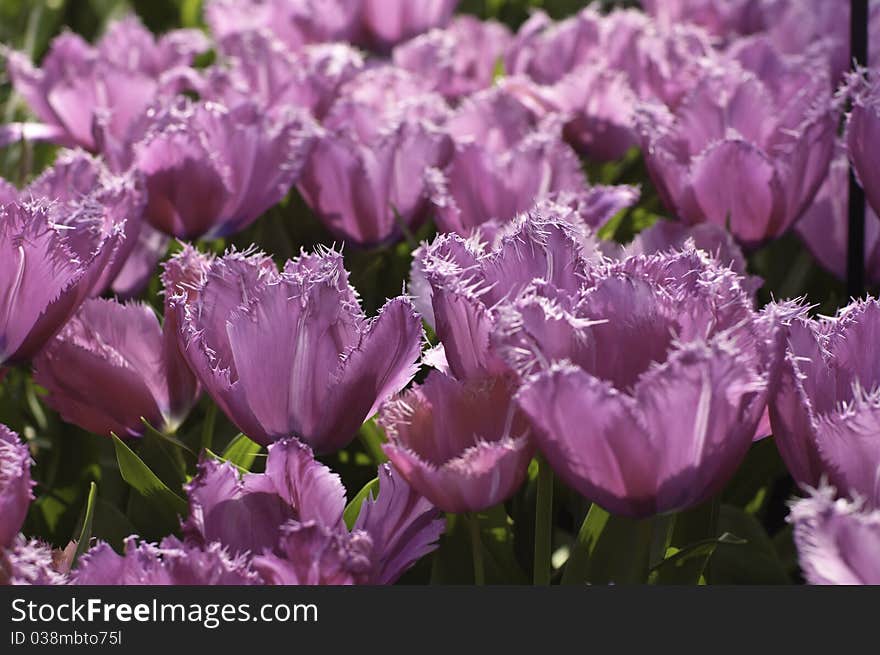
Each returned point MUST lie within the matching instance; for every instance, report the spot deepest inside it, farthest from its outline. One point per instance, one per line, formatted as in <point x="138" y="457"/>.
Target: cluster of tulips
<point x="526" y="344"/>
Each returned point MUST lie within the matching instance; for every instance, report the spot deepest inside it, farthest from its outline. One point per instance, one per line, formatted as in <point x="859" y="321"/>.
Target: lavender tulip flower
<point x="592" y="69"/>
<point x="458" y="283"/>
<point x="290" y="520"/>
<point x="15" y="485"/>
<point x="665" y="236"/>
<point x="295" y="23"/>
<point x="137" y="270"/>
<point x="645" y="389"/>
<point x="169" y="563"/>
<point x="257" y="67"/>
<point x="862" y="132"/>
<point x="837" y="540"/>
<point x="722" y="18"/>
<point x="211" y="171"/>
<point x="378" y="159"/>
<point x="564" y="70"/>
<point x="21" y="561"/>
<point x="110" y="84"/>
<point x="75" y="178"/>
<point x="29" y="562"/>
<point x="113" y="365"/>
<point x="56" y="249"/>
<point x="770" y="140"/>
<point x="824" y="227"/>
<point x="386" y="23"/>
<point x="458" y="60"/>
<point x="504" y="162"/>
<point x="825" y="411"/>
<point x="463" y="445"/>
<point x="330" y="367"/>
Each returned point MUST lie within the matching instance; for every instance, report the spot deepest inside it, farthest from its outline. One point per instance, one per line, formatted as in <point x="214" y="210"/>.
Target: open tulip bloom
<point x="658" y="355"/>
<point x="110" y="84"/>
<point x="290" y="352"/>
<point x="62" y="239"/>
<point x="281" y="527"/>
<point x="837" y="539"/>
<point x="748" y="148"/>
<point x="826" y="406"/>
<point x="22" y="561"/>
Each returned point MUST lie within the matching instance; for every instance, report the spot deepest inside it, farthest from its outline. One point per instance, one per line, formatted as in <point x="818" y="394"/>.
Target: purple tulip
<point x="111" y="84"/>
<point x="330" y="366"/>
<point x="135" y="274"/>
<point x="29" y="562"/>
<point x="645" y="389"/>
<point x="389" y="22"/>
<point x="211" y="171"/>
<point x="112" y="365"/>
<point x="742" y="151"/>
<point x="463" y="445"/>
<point x="657" y="62"/>
<point x="837" y="540"/>
<point x="591" y="70"/>
<point x="504" y="162"/>
<point x="825" y="413"/>
<point x="458" y="60"/>
<point x="824" y="227"/>
<point x="53" y="255"/>
<point x="169" y="563"/>
<point x="797" y="26"/>
<point x="862" y="133"/>
<point x="458" y="283"/>
<point x="295" y="23"/>
<point x="311" y="554"/>
<point x="290" y="520"/>
<point x="722" y="18"/>
<point x="76" y="176"/>
<point x="15" y="485"/>
<point x="661" y="64"/>
<point x="666" y="236"/>
<point x="546" y="51"/>
<point x="257" y="67"/>
<point x="376" y="163"/>
<point x="564" y="69"/>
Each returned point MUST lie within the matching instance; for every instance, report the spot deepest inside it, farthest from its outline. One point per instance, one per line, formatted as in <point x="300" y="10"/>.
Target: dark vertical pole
<point x="855" y="259"/>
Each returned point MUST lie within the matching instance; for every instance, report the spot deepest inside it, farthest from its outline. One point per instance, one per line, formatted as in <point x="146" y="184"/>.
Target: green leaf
<point x="756" y="562"/>
<point x="190" y="13"/>
<point x="577" y="568"/>
<point x="687" y="565"/>
<point x="498" y="71"/>
<point x="453" y="562"/>
<point x="145" y="482"/>
<point x="110" y="524"/>
<point x="242" y="452"/>
<point x="353" y="509"/>
<point x="372" y="437"/>
<point x="85" y="535"/>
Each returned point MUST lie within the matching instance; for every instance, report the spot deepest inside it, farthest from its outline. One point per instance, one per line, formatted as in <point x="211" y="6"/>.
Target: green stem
<point x="661" y="538"/>
<point x="208" y="426"/>
<point x="477" y="549"/>
<point x="543" y="523"/>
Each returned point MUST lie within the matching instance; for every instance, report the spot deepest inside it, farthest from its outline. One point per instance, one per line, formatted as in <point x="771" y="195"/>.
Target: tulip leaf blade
<point x="137" y="474"/>
<point x="353" y="509"/>
<point x="85" y="534"/>
<point x="241" y="452"/>
<point x="757" y="562"/>
<point x="577" y="568"/>
<point x="688" y="565"/>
